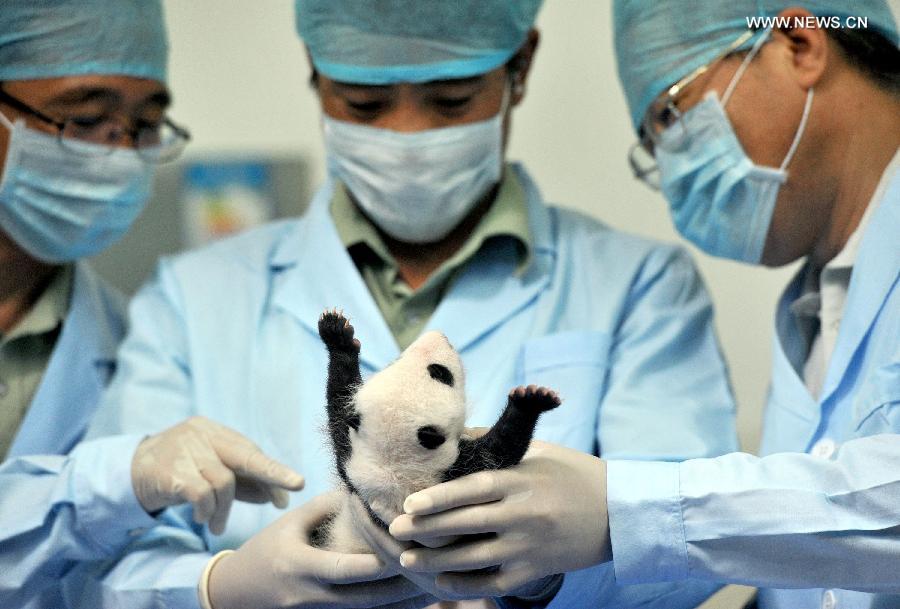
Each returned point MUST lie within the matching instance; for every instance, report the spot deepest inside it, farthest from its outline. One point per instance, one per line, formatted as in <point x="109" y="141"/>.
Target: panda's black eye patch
<point x="441" y="374"/>
<point x="430" y="437"/>
<point x="353" y="421"/>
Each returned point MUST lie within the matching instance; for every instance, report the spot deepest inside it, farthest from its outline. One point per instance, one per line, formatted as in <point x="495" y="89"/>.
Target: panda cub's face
<point x="411" y="416"/>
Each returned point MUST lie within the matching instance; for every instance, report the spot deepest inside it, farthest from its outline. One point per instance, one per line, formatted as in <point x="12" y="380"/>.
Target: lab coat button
<point x="824" y="448"/>
<point x="828" y="600"/>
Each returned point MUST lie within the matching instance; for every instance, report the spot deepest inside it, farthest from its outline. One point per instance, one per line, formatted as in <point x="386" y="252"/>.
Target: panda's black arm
<point x="505" y="443"/>
<point x="344" y="379"/>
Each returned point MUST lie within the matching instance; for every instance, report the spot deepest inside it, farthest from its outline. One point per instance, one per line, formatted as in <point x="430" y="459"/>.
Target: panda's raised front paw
<point x="534" y="398"/>
<point x="336" y="332"/>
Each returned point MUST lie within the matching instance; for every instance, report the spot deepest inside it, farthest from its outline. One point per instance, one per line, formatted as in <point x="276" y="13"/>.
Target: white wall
<point x="238" y="73"/>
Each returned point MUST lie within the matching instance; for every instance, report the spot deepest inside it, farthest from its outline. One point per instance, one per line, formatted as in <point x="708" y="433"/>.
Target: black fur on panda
<point x="403" y="430"/>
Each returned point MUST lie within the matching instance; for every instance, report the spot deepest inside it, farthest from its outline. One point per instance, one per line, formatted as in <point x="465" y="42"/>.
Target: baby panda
<point x="403" y="429"/>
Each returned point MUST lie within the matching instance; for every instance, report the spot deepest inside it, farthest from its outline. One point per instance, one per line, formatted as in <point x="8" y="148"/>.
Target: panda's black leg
<point x="343" y="380"/>
<point x="506" y="442"/>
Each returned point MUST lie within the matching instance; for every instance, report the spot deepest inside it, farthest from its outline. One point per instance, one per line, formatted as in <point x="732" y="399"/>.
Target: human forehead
<point x="468" y="85"/>
<point x="114" y="91"/>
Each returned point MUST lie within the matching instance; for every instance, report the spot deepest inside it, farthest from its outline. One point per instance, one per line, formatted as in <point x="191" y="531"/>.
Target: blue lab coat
<point x="51" y="512"/>
<point x="819" y="515"/>
<point x="620" y="326"/>
<point x="79" y="369"/>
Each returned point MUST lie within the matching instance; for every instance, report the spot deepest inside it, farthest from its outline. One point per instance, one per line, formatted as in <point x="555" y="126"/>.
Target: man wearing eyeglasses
<point x="82" y="127"/>
<point x="788" y="149"/>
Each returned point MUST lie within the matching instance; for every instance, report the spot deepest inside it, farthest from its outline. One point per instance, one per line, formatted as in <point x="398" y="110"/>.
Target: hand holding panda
<point x="403" y="430"/>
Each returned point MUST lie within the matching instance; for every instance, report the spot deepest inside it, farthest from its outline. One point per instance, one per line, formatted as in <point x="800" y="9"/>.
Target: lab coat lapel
<point x="80" y="366"/>
<point x="875" y="272"/>
<point x="489" y="291"/>
<point x="311" y="271"/>
<point x="791" y="413"/>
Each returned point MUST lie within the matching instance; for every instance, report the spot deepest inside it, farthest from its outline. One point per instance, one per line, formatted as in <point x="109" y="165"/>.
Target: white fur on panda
<point x="387" y="461"/>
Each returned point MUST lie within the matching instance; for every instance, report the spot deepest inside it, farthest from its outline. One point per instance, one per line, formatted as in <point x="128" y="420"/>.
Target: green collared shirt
<point x="405" y="310"/>
<point x="25" y="352"/>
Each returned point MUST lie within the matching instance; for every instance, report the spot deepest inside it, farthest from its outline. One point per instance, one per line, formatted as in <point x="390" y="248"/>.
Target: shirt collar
<point x="507" y="217"/>
<point x="49" y="310"/>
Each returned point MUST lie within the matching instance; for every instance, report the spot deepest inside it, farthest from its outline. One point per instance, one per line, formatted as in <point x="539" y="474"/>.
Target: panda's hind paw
<point x="336" y="332"/>
<point x="534" y="398"/>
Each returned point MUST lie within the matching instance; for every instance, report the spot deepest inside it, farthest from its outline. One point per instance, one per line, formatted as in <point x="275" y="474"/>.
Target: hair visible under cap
<point x="872" y="54"/>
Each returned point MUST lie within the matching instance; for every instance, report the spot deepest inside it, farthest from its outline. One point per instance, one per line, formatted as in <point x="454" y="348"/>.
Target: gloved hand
<point x="389" y="550"/>
<point x="437" y="542"/>
<point x="277" y="568"/>
<point x="208" y="465"/>
<point x="547" y="515"/>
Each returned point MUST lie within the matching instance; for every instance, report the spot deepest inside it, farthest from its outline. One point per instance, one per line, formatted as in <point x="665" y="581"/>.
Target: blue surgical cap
<point x="660" y="42"/>
<point x="388" y="41"/>
<point x="52" y="38"/>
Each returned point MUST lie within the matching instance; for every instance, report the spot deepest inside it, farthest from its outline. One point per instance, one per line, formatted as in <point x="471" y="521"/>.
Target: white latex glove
<point x="437" y="542"/>
<point x="277" y="569"/>
<point x="389" y="550"/>
<point x="548" y="515"/>
<point x="207" y="465"/>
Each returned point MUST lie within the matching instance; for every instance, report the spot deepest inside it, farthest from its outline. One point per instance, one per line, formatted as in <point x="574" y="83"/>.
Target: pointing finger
<point x="246" y="460"/>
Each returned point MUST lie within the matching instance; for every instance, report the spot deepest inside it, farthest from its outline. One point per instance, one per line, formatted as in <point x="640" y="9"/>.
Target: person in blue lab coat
<point x="420" y="225"/>
<point x="82" y="126"/>
<point x="771" y="144"/>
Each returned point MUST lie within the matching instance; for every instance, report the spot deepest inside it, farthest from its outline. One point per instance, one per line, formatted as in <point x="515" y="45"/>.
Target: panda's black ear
<point x="441" y="374"/>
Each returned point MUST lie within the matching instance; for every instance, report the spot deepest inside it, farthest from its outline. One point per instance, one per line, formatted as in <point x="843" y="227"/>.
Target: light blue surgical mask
<point x="418" y="186"/>
<point x="719" y="199"/>
<point x="60" y="205"/>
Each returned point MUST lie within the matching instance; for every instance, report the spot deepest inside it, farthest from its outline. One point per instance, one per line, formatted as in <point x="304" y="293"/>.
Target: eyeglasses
<point x="664" y="116"/>
<point x="156" y="143"/>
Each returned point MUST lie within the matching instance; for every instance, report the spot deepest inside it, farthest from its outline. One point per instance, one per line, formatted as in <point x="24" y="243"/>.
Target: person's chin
<point x="773" y="257"/>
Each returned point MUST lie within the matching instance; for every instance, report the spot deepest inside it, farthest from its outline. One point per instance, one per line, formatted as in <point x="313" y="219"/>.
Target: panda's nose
<point x="430" y="437"/>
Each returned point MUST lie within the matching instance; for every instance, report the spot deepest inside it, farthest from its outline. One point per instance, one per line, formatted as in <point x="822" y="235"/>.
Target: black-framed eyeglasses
<point x="155" y="143"/>
<point x="664" y="115"/>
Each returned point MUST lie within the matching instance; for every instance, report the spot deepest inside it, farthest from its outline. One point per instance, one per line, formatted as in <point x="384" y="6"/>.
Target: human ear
<point x="808" y="46"/>
<point x="313" y="73"/>
<point x="520" y="65"/>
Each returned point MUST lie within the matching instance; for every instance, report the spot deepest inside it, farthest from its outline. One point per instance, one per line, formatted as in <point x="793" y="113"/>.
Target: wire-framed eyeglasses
<point x="155" y="142"/>
<point x="664" y="115"/>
